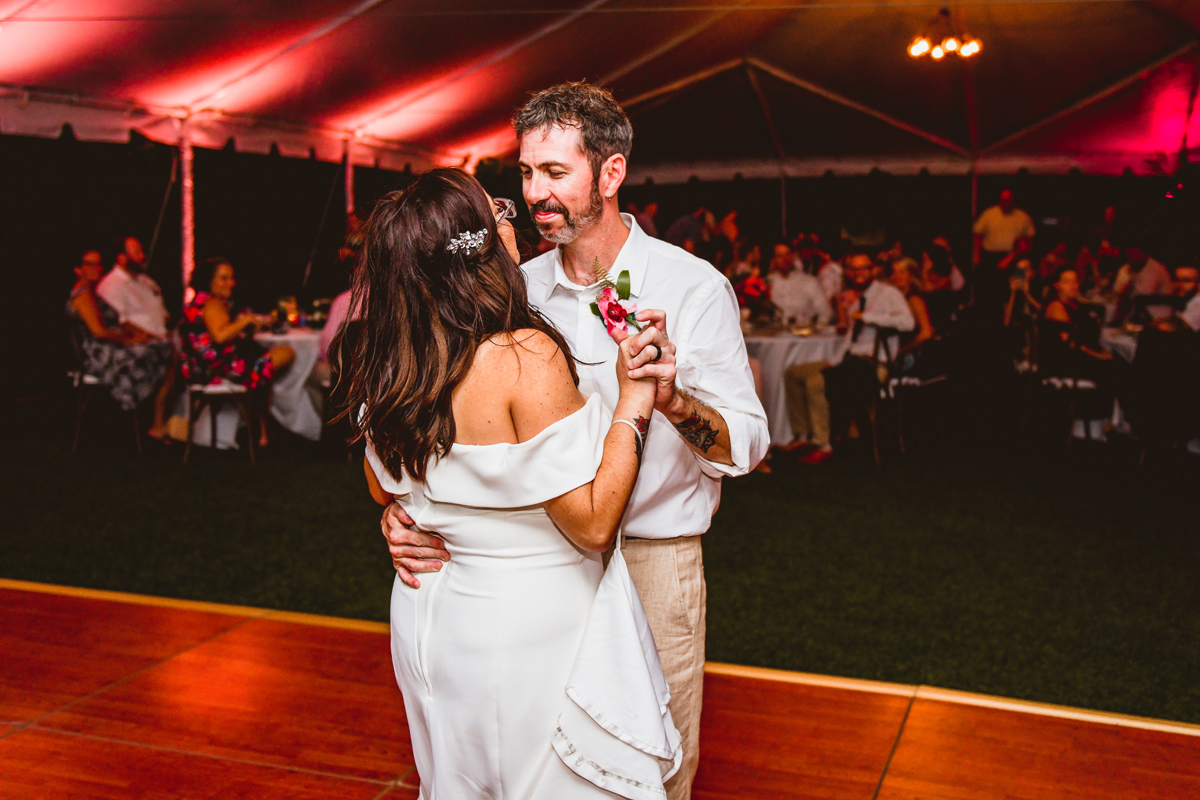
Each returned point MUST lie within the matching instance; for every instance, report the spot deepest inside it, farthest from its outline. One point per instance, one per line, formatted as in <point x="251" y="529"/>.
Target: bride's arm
<point x="590" y="514"/>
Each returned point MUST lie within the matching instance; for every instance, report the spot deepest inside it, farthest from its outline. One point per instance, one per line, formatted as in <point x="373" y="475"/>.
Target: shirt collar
<point x="634" y="256"/>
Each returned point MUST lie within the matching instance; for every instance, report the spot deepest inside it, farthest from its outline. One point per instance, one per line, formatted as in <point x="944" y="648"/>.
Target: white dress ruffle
<point x="523" y="654"/>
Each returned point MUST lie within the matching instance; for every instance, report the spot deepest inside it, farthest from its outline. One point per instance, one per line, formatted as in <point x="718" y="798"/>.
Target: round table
<point x="291" y="405"/>
<point x="778" y="352"/>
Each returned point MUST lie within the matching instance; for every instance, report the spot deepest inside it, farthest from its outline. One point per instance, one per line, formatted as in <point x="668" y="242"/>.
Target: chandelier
<point x="942" y="36"/>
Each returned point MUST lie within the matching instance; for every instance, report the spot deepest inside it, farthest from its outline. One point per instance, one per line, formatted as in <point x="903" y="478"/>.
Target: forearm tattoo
<point x="643" y="426"/>
<point x="696" y="430"/>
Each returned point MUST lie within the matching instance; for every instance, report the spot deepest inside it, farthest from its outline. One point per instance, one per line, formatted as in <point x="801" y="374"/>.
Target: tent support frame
<point x="1093" y="98"/>
<point x="770" y="119"/>
<point x="821" y="91"/>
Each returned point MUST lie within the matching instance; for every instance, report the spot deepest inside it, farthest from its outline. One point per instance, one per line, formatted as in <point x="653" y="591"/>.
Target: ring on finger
<point x="658" y="353"/>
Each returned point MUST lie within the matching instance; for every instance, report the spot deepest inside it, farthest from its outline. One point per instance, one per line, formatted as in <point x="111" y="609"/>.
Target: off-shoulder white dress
<point x="528" y="671"/>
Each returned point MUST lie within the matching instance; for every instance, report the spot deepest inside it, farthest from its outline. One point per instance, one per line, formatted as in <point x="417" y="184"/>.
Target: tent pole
<point x="349" y="179"/>
<point x="187" y="192"/>
<point x="783" y="230"/>
<point x="974" y="194"/>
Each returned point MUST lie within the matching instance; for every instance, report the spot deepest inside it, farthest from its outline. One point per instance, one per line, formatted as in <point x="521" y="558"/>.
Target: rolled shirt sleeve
<point x="713" y="367"/>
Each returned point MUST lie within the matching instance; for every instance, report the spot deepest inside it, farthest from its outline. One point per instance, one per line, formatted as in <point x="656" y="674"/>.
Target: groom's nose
<point x="535" y="189"/>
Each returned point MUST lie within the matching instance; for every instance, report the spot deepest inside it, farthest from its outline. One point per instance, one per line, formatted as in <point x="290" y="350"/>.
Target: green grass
<point x="1063" y="579"/>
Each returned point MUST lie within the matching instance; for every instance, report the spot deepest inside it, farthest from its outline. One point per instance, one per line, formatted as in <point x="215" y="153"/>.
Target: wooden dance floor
<point x="119" y="696"/>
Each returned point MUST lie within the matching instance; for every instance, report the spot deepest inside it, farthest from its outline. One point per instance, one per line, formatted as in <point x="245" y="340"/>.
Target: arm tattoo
<point x="643" y="426"/>
<point x="696" y="430"/>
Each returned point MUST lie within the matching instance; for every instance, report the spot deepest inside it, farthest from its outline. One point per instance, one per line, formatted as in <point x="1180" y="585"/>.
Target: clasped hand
<point x="642" y="362"/>
<point x="414" y="552"/>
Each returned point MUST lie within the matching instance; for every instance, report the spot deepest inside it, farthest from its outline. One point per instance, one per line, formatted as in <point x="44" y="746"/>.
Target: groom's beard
<point x="573" y="226"/>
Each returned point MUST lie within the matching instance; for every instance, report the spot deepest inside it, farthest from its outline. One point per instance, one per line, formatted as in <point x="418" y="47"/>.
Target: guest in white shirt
<point x="138" y="301"/>
<point x="798" y="294"/>
<point x="813" y="387"/>
<point x="132" y="293"/>
<point x="1143" y="276"/>
<point x="708" y="422"/>
<point x="866" y="303"/>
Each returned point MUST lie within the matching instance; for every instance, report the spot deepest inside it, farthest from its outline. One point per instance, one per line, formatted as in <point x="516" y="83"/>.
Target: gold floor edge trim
<point x="713" y="667"/>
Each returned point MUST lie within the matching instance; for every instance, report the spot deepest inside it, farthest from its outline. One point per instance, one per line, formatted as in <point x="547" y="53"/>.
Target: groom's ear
<point x="612" y="175"/>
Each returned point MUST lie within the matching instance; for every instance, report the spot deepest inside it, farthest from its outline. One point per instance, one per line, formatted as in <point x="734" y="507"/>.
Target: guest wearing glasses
<point x="130" y="362"/>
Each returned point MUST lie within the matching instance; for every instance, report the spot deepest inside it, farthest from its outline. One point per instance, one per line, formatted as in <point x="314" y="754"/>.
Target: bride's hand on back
<point x="633" y="389"/>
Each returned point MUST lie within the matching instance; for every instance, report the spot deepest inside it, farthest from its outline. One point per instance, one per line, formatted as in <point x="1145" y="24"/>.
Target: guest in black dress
<point x="1069" y="343"/>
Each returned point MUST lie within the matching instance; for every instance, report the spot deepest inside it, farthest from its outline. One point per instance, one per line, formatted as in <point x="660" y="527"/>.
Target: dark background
<point x="60" y="197"/>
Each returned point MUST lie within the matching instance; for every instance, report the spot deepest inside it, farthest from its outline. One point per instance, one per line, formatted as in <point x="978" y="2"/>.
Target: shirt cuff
<point x="748" y="443"/>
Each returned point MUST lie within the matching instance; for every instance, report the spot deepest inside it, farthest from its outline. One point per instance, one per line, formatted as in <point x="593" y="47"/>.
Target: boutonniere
<point x="612" y="301"/>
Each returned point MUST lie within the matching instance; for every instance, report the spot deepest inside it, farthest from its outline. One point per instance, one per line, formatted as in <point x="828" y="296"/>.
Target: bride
<point x="527" y="671"/>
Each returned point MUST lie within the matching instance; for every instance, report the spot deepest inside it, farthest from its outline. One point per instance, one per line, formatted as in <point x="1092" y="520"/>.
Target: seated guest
<point x="829" y="273"/>
<point x="749" y="264"/>
<point x="1142" y="276"/>
<point x="132" y="293"/>
<point x="131" y="363"/>
<point x="902" y="274"/>
<point x="1022" y="310"/>
<point x="1187" y="280"/>
<point x="322" y="373"/>
<point x="1053" y="261"/>
<point x="957" y="281"/>
<point x="942" y="301"/>
<point x="798" y="295"/>
<point x="822" y="399"/>
<point x="1070" y="340"/>
<point x="216" y="344"/>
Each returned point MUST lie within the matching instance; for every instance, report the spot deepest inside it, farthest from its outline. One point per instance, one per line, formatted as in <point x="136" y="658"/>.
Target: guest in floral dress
<point x="216" y="344"/>
<point x="130" y="363"/>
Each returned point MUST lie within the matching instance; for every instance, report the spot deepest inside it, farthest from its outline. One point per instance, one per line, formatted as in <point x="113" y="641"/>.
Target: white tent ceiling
<point x="714" y="86"/>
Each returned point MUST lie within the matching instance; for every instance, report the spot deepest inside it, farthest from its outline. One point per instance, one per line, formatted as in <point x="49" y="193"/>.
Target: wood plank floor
<point x="115" y="697"/>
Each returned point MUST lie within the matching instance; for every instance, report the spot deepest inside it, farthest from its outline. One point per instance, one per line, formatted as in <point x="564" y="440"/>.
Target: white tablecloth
<point x="291" y="405"/>
<point x="779" y="352"/>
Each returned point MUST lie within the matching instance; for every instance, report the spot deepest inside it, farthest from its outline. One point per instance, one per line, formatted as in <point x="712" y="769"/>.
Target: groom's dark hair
<point x="602" y="124"/>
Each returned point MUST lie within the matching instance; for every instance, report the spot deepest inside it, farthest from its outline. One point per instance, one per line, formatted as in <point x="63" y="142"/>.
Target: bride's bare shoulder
<point x="532" y="369"/>
<point x="521" y="350"/>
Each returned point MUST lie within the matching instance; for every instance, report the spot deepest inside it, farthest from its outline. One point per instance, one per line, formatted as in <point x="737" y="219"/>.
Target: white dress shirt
<point x="800" y="296"/>
<point x="886" y="307"/>
<point x="678" y="490"/>
<point x="136" y="299"/>
<point x="1191" y="313"/>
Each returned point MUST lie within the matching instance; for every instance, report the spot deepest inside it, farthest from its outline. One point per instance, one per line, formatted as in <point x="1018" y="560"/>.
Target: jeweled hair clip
<point x="467" y="241"/>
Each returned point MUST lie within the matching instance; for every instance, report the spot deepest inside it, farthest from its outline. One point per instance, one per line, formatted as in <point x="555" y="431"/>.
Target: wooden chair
<point x="213" y="396"/>
<point x="882" y="356"/>
<point x="84" y="387"/>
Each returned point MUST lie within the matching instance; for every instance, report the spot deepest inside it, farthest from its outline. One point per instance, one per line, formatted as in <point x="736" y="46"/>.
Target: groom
<point x="708" y="423"/>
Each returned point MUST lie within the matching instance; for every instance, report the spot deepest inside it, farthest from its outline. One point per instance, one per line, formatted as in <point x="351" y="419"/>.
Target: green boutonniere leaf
<point x="623" y="285"/>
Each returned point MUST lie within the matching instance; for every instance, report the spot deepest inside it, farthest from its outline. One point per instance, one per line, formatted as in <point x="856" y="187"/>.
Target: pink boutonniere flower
<point x="612" y="305"/>
<point x="616" y="313"/>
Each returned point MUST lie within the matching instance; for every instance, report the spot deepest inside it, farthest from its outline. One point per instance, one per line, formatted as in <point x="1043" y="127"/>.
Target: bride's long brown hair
<point x="425" y="310"/>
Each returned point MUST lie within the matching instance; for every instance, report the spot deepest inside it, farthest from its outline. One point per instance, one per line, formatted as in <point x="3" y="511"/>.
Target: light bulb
<point x="950" y="44"/>
<point x="969" y="48"/>
<point x="919" y="47"/>
<point x="937" y="52"/>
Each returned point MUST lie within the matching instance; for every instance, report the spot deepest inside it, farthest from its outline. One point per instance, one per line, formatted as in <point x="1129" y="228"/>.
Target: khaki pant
<point x="808" y="408"/>
<point x="669" y="577"/>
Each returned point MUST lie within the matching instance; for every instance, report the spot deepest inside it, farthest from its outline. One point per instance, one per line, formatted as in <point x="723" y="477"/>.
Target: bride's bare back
<point x="518" y="385"/>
